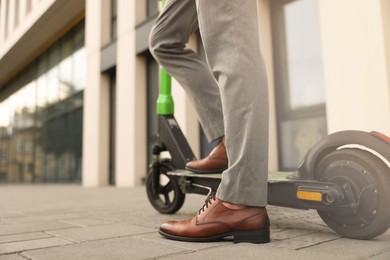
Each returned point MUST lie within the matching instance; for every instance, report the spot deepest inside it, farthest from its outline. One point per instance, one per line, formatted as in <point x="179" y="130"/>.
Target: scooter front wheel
<point x="165" y="196"/>
<point x="364" y="179"/>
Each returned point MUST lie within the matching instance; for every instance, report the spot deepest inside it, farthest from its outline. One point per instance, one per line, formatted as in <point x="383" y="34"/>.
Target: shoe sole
<point x="255" y="236"/>
<point x="216" y="171"/>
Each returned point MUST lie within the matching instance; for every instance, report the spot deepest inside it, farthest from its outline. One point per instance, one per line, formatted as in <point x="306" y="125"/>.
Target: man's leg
<point x="168" y="39"/>
<point x="229" y="30"/>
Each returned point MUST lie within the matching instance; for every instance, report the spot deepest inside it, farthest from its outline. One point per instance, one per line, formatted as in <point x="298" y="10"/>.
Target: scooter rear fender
<point x="374" y="142"/>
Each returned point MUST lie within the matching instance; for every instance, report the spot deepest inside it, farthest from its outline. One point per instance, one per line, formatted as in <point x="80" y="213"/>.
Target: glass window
<point x="13" y="142"/>
<point x="53" y="74"/>
<point x="41" y="120"/>
<point x="304" y="54"/>
<point x="152" y="95"/>
<point x="297" y="136"/>
<point x="152" y="7"/>
<point x="79" y="60"/>
<point x="2" y="115"/>
<point x="299" y="80"/>
<point x="42" y="82"/>
<point x="114" y="15"/>
<point x="3" y="119"/>
<point x="79" y="69"/>
<point x="20" y="101"/>
<point x="30" y="104"/>
<point x="12" y="113"/>
<point x="4" y="140"/>
<point x="66" y="72"/>
<point x="112" y="179"/>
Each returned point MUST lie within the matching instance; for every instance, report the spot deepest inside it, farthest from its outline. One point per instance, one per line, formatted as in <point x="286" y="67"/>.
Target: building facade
<point x="78" y="85"/>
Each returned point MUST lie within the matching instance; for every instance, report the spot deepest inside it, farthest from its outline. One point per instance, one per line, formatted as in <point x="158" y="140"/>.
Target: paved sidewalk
<point x="71" y="222"/>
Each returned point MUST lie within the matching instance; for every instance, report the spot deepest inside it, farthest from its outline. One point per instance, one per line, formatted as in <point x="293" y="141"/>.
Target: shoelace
<point x="210" y="198"/>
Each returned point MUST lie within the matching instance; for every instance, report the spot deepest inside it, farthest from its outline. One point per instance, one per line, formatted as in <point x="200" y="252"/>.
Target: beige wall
<point x="131" y="97"/>
<point x="355" y="65"/>
<point x="386" y="31"/>
<point x="96" y="98"/>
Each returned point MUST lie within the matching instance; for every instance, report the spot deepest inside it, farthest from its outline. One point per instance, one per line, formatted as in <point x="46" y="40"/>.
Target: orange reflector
<point x="309" y="195"/>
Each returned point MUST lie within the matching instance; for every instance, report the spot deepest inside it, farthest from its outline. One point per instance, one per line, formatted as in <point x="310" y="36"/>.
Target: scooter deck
<point x="273" y="176"/>
<point x="282" y="191"/>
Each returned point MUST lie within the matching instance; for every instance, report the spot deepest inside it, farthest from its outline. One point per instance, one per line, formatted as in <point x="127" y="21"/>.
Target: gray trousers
<point x="229" y="92"/>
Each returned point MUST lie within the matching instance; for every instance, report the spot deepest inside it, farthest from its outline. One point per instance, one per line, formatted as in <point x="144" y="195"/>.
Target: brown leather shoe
<point x="216" y="161"/>
<point x="215" y="222"/>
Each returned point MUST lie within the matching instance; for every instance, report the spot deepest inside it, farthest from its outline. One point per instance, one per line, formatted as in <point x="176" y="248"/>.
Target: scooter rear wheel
<point x="364" y="179"/>
<point x="168" y="197"/>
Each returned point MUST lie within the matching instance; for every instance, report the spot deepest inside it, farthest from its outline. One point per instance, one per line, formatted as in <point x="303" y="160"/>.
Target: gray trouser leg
<point x="229" y="30"/>
<point x="167" y="41"/>
<point x="230" y="35"/>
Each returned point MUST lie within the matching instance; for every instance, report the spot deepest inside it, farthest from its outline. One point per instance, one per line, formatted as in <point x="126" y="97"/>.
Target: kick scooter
<point x="345" y="176"/>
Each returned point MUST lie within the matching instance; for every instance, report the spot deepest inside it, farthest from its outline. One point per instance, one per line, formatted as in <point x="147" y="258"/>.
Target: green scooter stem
<point x="165" y="105"/>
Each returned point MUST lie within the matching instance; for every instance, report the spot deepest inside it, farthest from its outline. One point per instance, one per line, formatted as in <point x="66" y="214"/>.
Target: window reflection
<point x="152" y="95"/>
<point x="41" y="120"/>
<point x="12" y="110"/>
<point x="29" y="106"/>
<point x="299" y="80"/>
<point x="20" y="101"/>
<point x="66" y="73"/>
<point x="79" y="69"/>
<point x="114" y="18"/>
<point x="53" y="76"/>
<point x="304" y="54"/>
<point x="79" y="60"/>
<point x="152" y="7"/>
<point x="42" y="82"/>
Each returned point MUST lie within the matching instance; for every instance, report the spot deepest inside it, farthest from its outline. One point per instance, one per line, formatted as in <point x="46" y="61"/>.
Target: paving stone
<point x="8" y="214"/>
<point x="249" y="251"/>
<point x="157" y="238"/>
<point x="14" y="247"/>
<point x="292" y="244"/>
<point x="319" y="237"/>
<point x="153" y="219"/>
<point x="23" y="237"/>
<point x="101" y="232"/>
<point x="381" y="256"/>
<point x="290" y="233"/>
<point x="112" y="223"/>
<point x="120" y="248"/>
<point x="287" y="224"/>
<point x="55" y="217"/>
<point x="12" y="257"/>
<point x="353" y="248"/>
<point x="87" y="221"/>
<point x="9" y="229"/>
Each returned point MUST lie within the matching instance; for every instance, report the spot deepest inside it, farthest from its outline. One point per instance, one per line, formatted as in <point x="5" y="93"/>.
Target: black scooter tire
<point x="368" y="178"/>
<point x="169" y="198"/>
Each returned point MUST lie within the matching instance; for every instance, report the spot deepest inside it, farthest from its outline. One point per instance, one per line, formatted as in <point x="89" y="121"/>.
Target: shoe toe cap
<point x="167" y="227"/>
